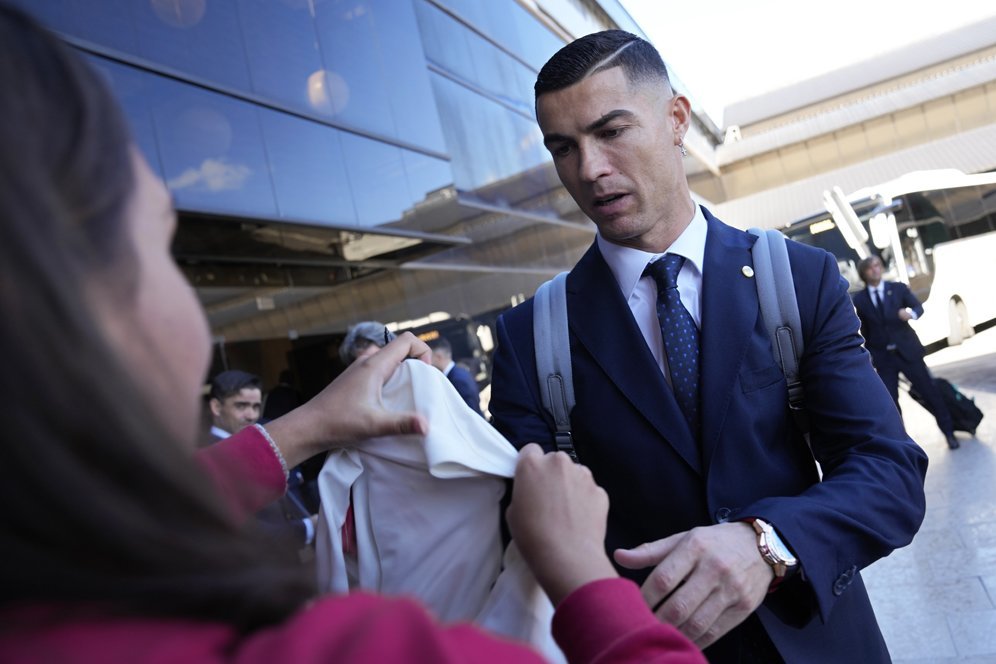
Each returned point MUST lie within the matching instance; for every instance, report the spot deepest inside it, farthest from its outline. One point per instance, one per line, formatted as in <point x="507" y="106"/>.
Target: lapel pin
<point x="748" y="271"/>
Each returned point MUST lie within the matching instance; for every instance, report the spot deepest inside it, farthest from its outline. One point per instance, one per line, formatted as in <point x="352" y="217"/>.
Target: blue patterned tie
<point x="681" y="337"/>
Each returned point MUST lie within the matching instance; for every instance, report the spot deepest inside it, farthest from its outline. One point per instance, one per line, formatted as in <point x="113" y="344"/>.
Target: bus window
<point x="967" y="214"/>
<point x="823" y="233"/>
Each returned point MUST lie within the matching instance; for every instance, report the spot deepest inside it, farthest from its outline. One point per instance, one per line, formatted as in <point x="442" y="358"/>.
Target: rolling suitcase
<point x="965" y="415"/>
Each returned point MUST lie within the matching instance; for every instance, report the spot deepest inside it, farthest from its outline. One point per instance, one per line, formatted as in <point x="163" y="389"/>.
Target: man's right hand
<point x="558" y="519"/>
<point x="705" y="581"/>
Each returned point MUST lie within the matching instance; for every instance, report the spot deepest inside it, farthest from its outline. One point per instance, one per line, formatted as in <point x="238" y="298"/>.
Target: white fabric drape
<point x="427" y="515"/>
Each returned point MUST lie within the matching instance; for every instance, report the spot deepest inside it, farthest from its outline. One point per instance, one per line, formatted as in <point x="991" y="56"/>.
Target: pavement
<point x="936" y="598"/>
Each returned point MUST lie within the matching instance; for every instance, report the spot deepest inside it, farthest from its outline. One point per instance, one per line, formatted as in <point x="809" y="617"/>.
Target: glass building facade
<point x="340" y="160"/>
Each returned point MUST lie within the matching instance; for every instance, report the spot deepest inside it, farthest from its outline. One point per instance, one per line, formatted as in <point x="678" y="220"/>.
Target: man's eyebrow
<point x="609" y="117"/>
<point x="548" y="139"/>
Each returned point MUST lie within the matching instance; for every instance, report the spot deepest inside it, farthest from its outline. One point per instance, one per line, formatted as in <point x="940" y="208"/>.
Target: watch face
<point x="779" y="549"/>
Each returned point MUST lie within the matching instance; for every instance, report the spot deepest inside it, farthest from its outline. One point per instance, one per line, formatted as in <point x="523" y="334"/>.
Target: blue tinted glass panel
<point x="129" y="86"/>
<point x="378" y="180"/>
<point x="195" y="36"/>
<point x="445" y="41"/>
<point x="376" y="70"/>
<point x="308" y="171"/>
<point x="285" y="62"/>
<point x="211" y="149"/>
<point x="413" y="105"/>
<point x="425" y="174"/>
<point x="356" y="71"/>
<point x="501" y="24"/>
<point x="494" y="18"/>
<point x="108" y="22"/>
<point x="488" y="142"/>
<point x="536" y="42"/>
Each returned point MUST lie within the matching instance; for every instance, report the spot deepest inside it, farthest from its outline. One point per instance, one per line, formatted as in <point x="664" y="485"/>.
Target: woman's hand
<point x="349" y="409"/>
<point x="557" y="519"/>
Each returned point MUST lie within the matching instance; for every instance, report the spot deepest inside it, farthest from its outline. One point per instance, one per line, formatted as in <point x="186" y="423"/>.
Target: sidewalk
<point x="936" y="599"/>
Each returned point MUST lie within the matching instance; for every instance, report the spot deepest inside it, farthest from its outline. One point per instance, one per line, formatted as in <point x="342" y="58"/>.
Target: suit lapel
<point x="729" y="314"/>
<point x="602" y="321"/>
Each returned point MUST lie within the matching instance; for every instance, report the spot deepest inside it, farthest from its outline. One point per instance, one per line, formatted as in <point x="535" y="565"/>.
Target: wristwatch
<point x="773" y="550"/>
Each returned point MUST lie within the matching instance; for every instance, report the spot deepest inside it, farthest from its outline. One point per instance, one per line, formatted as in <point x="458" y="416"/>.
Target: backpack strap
<point x="780" y="310"/>
<point x="553" y="358"/>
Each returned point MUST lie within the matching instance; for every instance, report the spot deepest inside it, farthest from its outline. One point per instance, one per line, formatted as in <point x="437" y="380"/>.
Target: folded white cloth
<point x="427" y="517"/>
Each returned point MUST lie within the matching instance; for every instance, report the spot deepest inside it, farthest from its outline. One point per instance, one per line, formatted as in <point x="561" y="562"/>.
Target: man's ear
<point x="681" y="115"/>
<point x="215" y="406"/>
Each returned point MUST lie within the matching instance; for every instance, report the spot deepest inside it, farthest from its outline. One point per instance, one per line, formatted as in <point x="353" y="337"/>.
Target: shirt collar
<point x="627" y="264"/>
<point x="218" y="432"/>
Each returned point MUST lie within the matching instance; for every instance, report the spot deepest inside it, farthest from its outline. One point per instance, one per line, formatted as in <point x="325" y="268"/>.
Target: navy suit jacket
<point x="752" y="460"/>
<point x="880" y="330"/>
<point x="466" y="386"/>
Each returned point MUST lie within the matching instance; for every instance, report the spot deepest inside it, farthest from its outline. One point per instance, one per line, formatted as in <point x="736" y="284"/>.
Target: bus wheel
<point x="960" y="328"/>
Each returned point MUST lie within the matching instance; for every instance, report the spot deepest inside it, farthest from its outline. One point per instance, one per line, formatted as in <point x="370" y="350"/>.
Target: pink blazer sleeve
<point x="245" y="471"/>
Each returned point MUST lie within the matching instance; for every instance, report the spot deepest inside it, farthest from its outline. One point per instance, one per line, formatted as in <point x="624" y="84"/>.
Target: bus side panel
<point x="965" y="270"/>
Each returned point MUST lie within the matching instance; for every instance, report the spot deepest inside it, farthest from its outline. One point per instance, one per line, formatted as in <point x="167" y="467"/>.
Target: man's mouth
<point x="607" y="200"/>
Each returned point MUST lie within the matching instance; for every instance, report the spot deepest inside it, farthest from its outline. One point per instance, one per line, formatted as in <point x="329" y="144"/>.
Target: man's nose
<point x="594" y="164"/>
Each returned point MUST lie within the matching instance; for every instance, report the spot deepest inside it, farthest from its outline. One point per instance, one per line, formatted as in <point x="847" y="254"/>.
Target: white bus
<point x="933" y="230"/>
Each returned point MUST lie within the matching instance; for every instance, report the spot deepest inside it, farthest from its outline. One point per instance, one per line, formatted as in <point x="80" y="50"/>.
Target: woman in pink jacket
<point x="117" y="546"/>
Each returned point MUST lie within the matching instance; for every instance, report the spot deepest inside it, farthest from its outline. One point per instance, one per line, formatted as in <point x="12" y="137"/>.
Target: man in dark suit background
<point x="466" y="386"/>
<point x="885" y="309"/>
<point x="714" y="497"/>
<point x="234" y="399"/>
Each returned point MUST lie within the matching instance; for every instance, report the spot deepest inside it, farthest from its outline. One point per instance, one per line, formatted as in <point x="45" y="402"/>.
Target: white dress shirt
<point x="877" y="293"/>
<point x="627" y="264"/>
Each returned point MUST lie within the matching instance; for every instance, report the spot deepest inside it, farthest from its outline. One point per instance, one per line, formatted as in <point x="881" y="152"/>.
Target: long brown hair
<point x="100" y="504"/>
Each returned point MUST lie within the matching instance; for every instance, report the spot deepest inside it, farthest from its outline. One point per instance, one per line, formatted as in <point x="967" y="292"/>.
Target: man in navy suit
<point x="466" y="386"/>
<point x="885" y="309"/>
<point x="234" y="399"/>
<point x="717" y="506"/>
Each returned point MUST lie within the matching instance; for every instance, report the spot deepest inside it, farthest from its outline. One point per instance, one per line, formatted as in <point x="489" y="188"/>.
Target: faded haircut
<point x="597" y="52"/>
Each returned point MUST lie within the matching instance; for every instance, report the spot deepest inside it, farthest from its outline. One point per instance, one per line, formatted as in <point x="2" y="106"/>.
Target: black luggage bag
<point x="965" y="415"/>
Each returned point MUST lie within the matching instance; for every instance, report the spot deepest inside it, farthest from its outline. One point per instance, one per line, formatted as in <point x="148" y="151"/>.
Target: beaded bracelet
<point x="276" y="450"/>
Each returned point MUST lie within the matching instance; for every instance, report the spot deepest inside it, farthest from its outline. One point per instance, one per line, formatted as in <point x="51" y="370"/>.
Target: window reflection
<point x="191" y="36"/>
<point x="468" y="56"/>
<point x="375" y="49"/>
<point x="282" y="50"/>
<point x="488" y="141"/>
<point x="211" y="149"/>
<point x="179" y="13"/>
<point x="378" y="179"/>
<point x="359" y="62"/>
<point x="308" y="171"/>
<point x="129" y="86"/>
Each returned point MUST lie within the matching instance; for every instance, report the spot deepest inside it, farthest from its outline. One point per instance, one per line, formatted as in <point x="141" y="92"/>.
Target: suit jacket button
<point x="723" y="514"/>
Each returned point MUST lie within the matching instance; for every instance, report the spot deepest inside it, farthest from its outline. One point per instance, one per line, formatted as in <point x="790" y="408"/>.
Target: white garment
<point x="427" y="516"/>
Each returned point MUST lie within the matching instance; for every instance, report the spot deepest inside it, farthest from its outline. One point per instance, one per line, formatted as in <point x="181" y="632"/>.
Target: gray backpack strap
<point x="780" y="310"/>
<point x="553" y="358"/>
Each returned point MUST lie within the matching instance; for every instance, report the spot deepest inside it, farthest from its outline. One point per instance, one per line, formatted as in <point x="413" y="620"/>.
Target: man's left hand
<point x="706" y="581"/>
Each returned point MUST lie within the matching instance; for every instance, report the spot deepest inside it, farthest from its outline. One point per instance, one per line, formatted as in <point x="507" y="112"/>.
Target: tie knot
<point x="665" y="270"/>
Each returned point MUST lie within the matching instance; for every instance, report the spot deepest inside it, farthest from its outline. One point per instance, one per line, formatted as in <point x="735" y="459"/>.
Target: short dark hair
<point x="597" y="52"/>
<point x="233" y="381"/>
<point x="866" y="263"/>
<point x="442" y="343"/>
